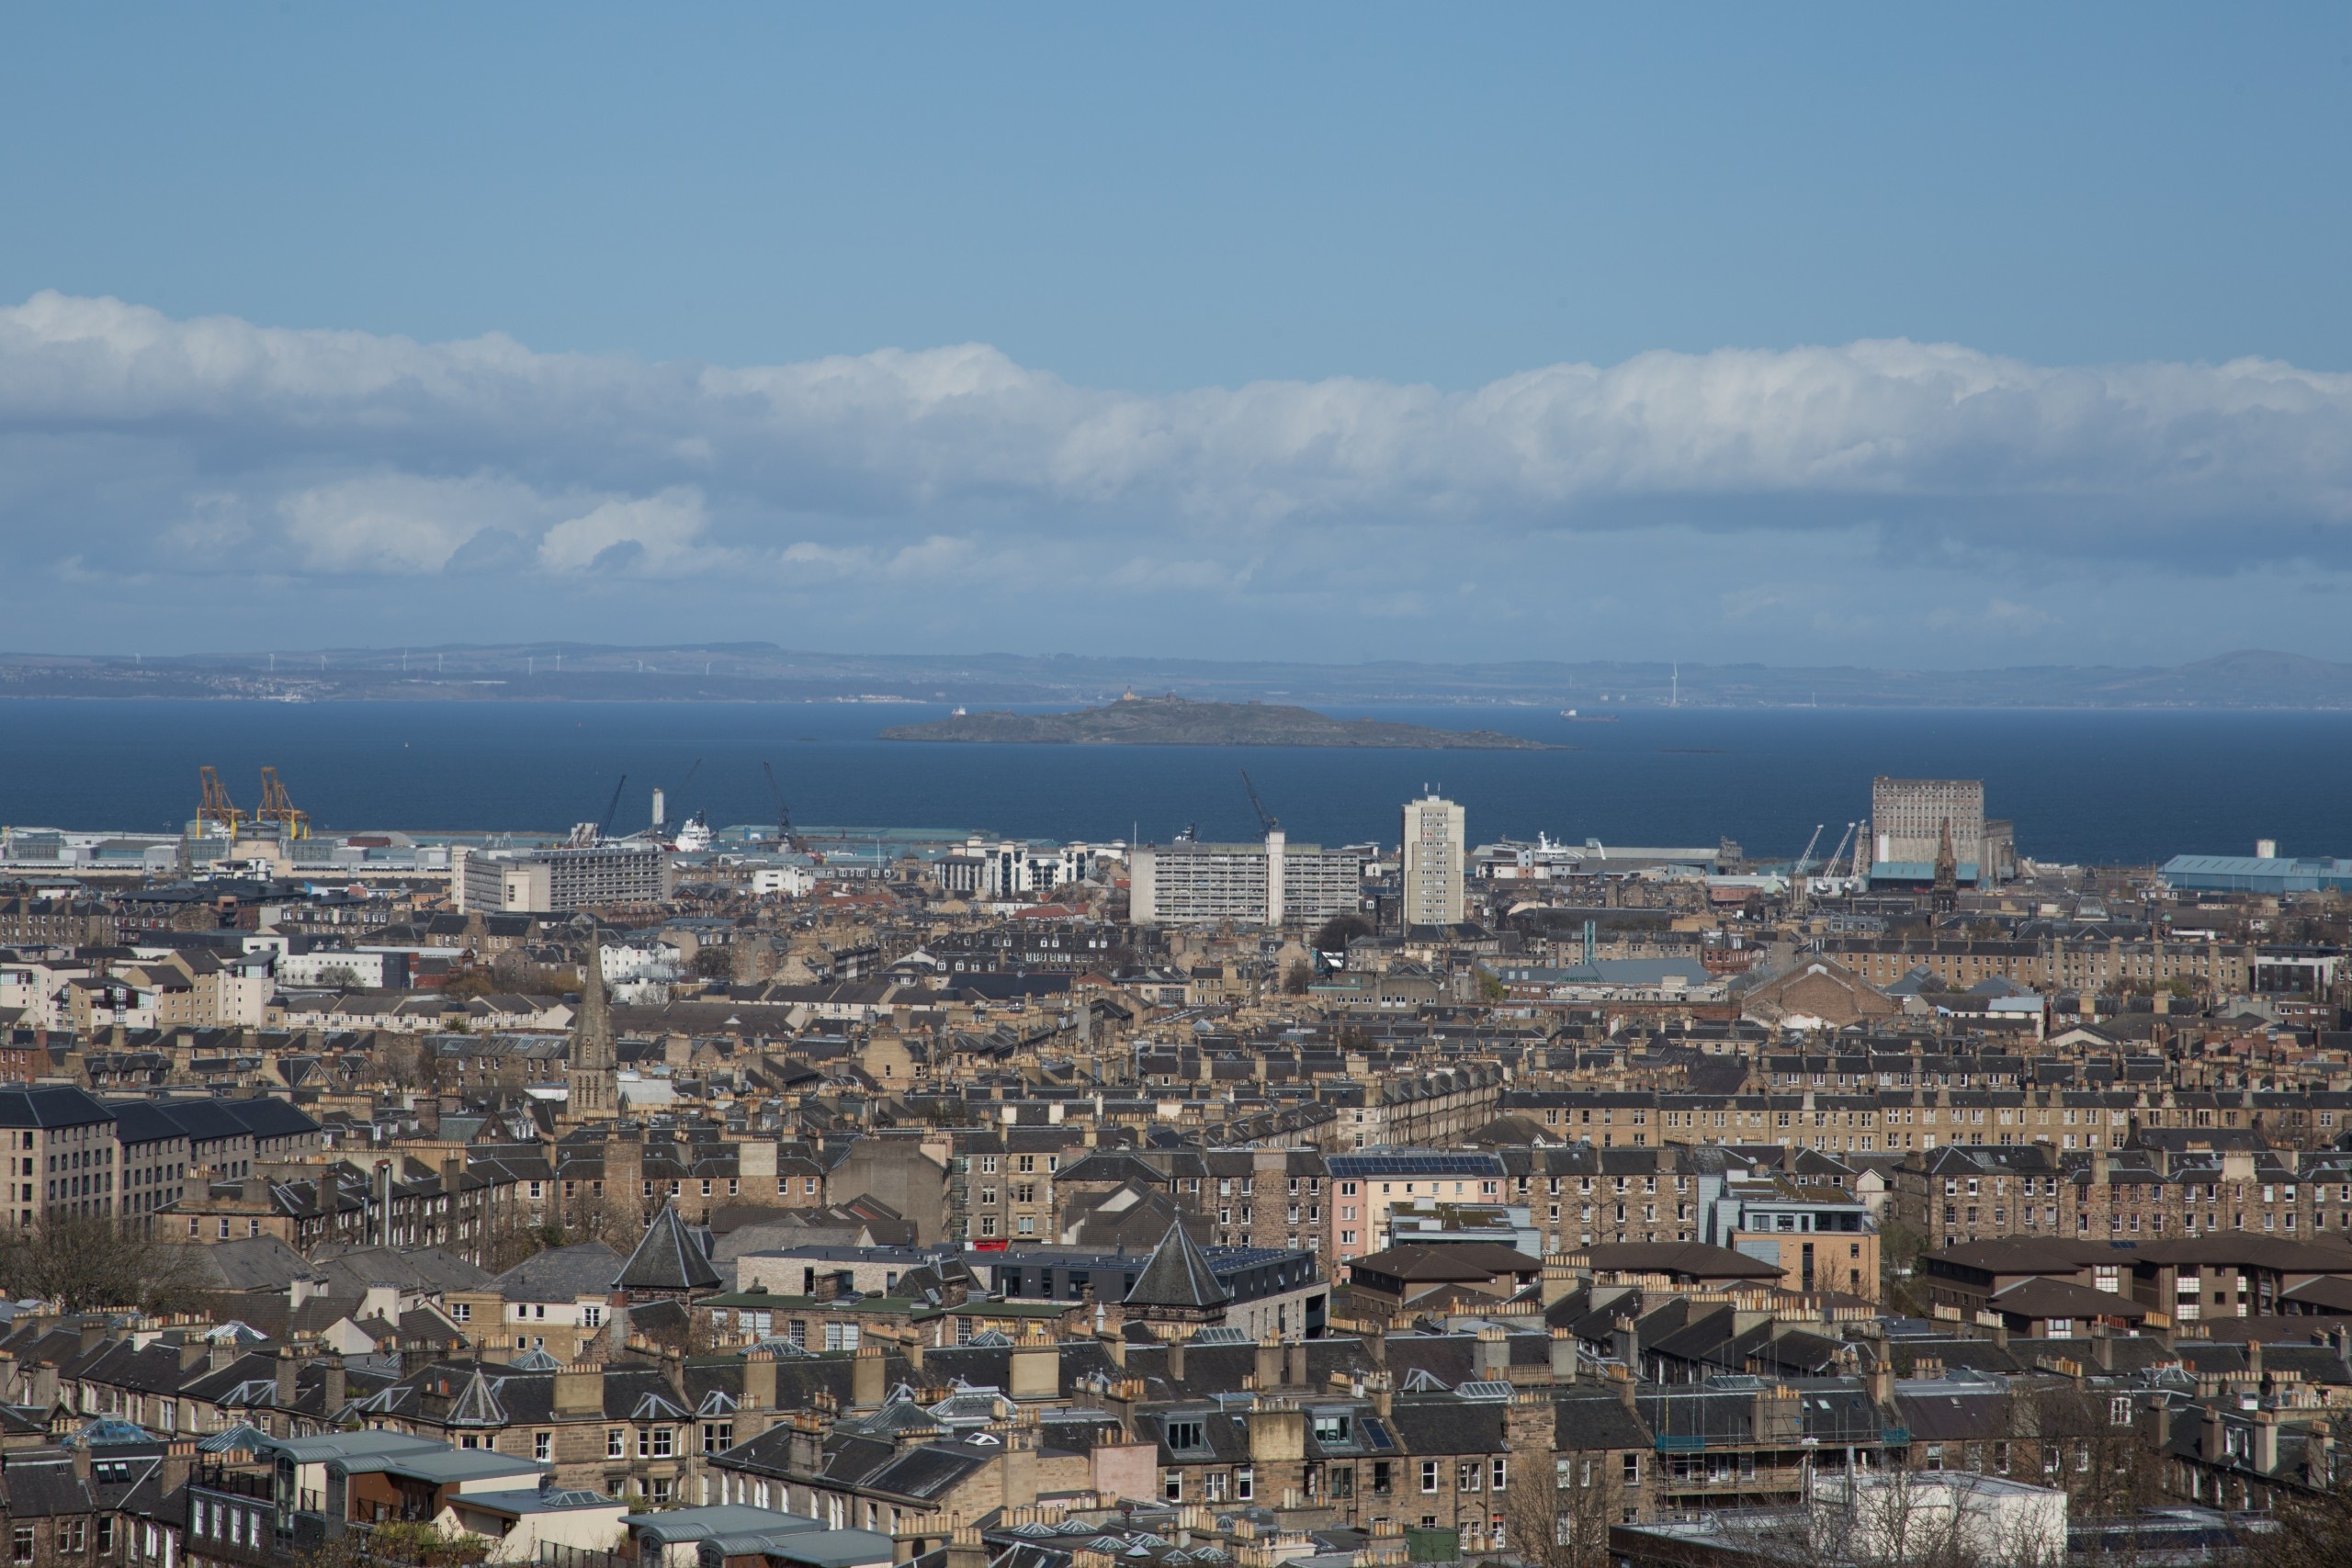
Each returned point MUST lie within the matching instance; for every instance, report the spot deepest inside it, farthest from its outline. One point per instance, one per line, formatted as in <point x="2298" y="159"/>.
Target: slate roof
<point x="560" y="1274"/>
<point x="1451" y="1262"/>
<point x="667" y="1258"/>
<point x="1178" y="1276"/>
<point x="2044" y="1298"/>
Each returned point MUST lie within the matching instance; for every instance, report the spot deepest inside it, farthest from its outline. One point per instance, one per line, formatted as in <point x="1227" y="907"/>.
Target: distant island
<point x="764" y="672"/>
<point x="1176" y="721"/>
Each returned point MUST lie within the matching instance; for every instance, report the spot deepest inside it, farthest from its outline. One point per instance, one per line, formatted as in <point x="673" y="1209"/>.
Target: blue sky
<point x="1881" y="335"/>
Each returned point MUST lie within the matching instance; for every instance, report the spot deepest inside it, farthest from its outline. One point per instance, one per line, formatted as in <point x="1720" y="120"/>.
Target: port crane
<point x="217" y="806"/>
<point x="585" y="834"/>
<point x="278" y="806"/>
<point x="1829" y="862"/>
<point x="786" y="833"/>
<point x="1266" y="818"/>
<point x="1805" y="858"/>
<point x="611" y="807"/>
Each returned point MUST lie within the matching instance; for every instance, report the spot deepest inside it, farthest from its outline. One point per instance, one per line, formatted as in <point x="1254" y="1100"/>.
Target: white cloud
<point x="657" y="536"/>
<point x="399" y="524"/>
<point x="377" y="455"/>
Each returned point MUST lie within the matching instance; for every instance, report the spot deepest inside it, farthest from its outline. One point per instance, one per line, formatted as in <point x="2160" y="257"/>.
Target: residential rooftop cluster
<point x="838" y="1197"/>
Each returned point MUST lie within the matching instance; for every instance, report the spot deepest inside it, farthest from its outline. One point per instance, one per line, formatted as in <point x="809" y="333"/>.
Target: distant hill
<point x="571" y="671"/>
<point x="1174" y="721"/>
<point x="2249" y="678"/>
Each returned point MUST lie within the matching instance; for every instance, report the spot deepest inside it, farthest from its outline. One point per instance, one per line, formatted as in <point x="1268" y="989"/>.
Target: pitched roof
<point x="559" y="1274"/>
<point x="1450" y="1262"/>
<point x="1178" y="1276"/>
<point x="2046" y="1298"/>
<point x="667" y="1258"/>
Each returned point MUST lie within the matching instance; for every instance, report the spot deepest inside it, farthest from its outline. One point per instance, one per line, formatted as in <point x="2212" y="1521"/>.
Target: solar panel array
<point x="1416" y="1165"/>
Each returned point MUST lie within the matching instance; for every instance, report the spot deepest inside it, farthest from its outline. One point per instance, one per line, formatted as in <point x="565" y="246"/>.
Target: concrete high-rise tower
<point x="1436" y="861"/>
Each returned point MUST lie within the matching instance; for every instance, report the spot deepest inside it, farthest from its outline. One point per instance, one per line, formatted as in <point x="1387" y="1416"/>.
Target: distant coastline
<point x="1175" y="721"/>
<point x="764" y="672"/>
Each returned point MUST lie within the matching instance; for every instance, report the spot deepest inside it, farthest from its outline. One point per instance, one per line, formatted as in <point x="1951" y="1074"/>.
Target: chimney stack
<point x="869" y="1382"/>
<point x="1627" y="1339"/>
<point x="580" y="1389"/>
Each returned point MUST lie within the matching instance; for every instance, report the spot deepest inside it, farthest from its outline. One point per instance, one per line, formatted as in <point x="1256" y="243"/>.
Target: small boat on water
<point x="1574" y="718"/>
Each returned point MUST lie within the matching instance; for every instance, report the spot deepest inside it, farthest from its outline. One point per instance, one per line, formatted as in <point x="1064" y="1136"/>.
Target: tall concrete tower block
<point x="1436" y="861"/>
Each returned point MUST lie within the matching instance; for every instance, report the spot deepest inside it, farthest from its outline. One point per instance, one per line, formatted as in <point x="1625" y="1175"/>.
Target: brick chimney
<point x="759" y="1381"/>
<point x="580" y="1389"/>
<point x="868" y="1377"/>
<point x="1268" y="1369"/>
<point x="965" y="1549"/>
<point x="1627" y="1342"/>
<point x="1491" y="1354"/>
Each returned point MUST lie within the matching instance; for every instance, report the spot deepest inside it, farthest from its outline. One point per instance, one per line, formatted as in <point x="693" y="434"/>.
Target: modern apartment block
<point x="1436" y="861"/>
<point x="1272" y="883"/>
<point x="560" y="879"/>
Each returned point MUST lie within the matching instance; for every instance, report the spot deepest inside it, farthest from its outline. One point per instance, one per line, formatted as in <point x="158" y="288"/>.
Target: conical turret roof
<point x="1178" y="1276"/>
<point x="667" y="1258"/>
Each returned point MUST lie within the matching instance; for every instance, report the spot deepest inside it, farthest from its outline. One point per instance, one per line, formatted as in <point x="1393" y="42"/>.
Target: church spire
<point x="1946" y="896"/>
<point x="594" y="1075"/>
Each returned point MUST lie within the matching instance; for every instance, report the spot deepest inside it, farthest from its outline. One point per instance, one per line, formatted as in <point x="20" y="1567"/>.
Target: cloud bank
<point x="209" y="445"/>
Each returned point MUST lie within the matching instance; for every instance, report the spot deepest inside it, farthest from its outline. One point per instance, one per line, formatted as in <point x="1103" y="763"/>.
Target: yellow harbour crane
<point x="278" y="806"/>
<point x="217" y="806"/>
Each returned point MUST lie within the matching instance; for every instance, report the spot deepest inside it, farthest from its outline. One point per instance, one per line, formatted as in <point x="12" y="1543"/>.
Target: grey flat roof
<point x="531" y="1500"/>
<point x="440" y="1464"/>
<point x="715" y="1519"/>
<point x="346" y="1445"/>
<point x="817" y="1549"/>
